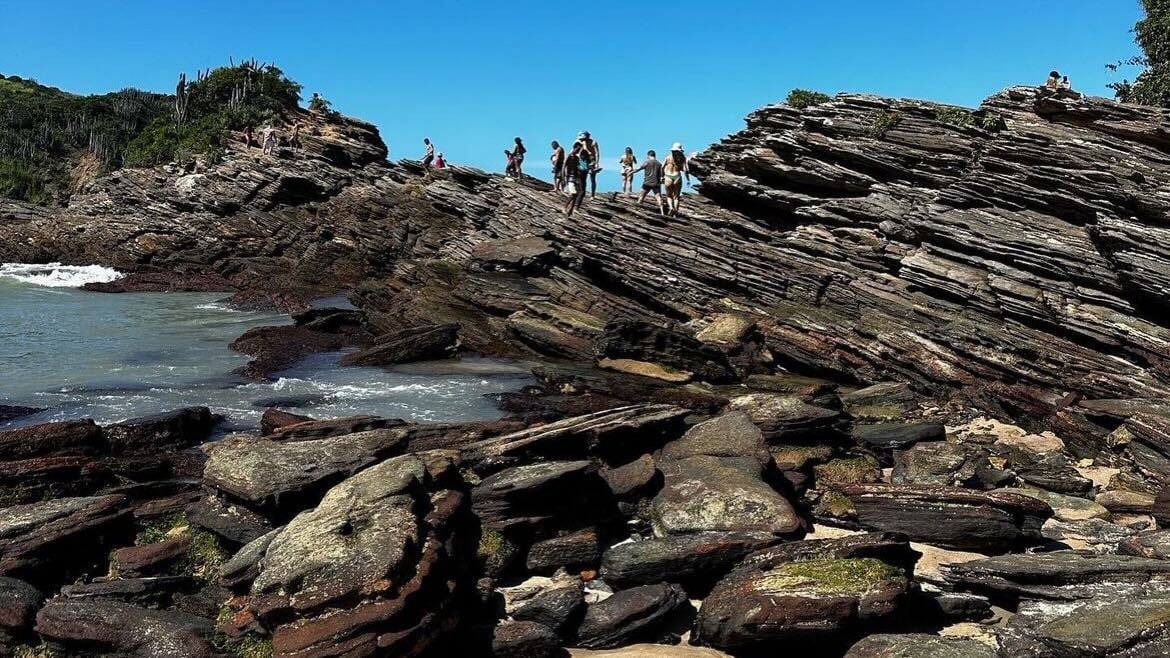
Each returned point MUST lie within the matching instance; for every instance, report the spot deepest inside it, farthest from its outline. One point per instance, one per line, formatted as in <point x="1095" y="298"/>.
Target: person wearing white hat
<point x="673" y="170"/>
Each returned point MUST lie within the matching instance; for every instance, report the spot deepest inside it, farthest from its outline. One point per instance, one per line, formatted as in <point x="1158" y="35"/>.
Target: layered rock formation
<point x="1007" y="259"/>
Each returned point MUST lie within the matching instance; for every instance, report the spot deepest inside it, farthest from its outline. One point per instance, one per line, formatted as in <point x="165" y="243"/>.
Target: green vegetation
<point x="45" y="131"/>
<point x="51" y="140"/>
<point x="205" y="555"/>
<point x="992" y="122"/>
<point x="883" y="122"/>
<point x="802" y="98"/>
<point x="1152" y="34"/>
<point x="825" y="577"/>
<point x="955" y="116"/>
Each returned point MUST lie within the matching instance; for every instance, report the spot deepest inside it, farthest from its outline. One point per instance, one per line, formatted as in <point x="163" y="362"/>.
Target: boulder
<point x="944" y="464"/>
<point x="1109" y="626"/>
<point x="19" y="602"/>
<point x="406" y="346"/>
<point x="1067" y="508"/>
<point x="886" y="401"/>
<point x="543" y="496"/>
<point x="950" y="517"/>
<point x="374" y="567"/>
<point x="573" y="551"/>
<point x="695" y="561"/>
<point x="730" y="435"/>
<point x="719" y="494"/>
<point x="633" y="479"/>
<point x="783" y="418"/>
<point x="124" y="629"/>
<point x="1058" y="575"/>
<point x="1153" y="544"/>
<point x="51" y="541"/>
<point x="897" y="436"/>
<point x="275" y="419"/>
<point x="820" y="600"/>
<point x="150" y="559"/>
<point x="525" y="639"/>
<point x="231" y="521"/>
<point x="890" y="548"/>
<point x="918" y="645"/>
<point x="51" y="439"/>
<point x="181" y="428"/>
<point x="559" y="607"/>
<point x="629" y="615"/>
<point x="665" y="345"/>
<point x="279" y="477"/>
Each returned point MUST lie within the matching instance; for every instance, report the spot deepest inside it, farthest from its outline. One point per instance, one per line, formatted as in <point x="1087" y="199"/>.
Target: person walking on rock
<point x="558" y="166"/>
<point x="651" y="180"/>
<point x="249" y="139"/>
<point x="518" y="158"/>
<point x="430" y="156"/>
<point x="577" y="167"/>
<point x="628" y="162"/>
<point x="673" y="171"/>
<point x="593" y="150"/>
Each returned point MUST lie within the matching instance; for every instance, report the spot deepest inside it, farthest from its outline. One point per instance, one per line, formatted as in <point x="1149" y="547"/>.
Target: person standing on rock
<point x="628" y="162"/>
<point x="249" y="139"/>
<point x="558" y="166"/>
<point x="430" y="156"/>
<point x="651" y="180"/>
<point x="269" y="137"/>
<point x="577" y="167"/>
<point x="673" y="171"/>
<point x="593" y="150"/>
<point x="295" y="140"/>
<point x="518" y="158"/>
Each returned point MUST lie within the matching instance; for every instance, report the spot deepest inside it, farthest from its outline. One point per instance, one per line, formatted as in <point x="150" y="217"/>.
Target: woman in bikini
<point x="628" y="162"/>
<point x="673" y="170"/>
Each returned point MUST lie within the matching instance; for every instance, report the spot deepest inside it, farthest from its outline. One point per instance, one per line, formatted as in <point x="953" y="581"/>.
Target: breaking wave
<point x="56" y="275"/>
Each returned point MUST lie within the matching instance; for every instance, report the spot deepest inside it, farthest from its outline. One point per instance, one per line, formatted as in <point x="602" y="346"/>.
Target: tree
<point x="1152" y="34"/>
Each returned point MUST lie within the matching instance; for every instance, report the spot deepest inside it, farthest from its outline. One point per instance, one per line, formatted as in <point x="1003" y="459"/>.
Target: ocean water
<point x="112" y="357"/>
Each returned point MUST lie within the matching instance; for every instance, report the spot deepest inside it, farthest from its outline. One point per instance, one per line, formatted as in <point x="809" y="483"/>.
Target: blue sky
<point x="472" y="75"/>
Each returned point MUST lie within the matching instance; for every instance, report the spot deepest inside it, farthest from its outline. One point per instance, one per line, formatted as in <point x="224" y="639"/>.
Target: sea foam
<point x="56" y="275"/>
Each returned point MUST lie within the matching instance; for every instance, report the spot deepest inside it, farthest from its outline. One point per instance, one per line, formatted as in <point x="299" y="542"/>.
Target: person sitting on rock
<point x="430" y="156"/>
<point x="510" y="170"/>
<point x="1065" y="85"/>
<point x="1053" y="82"/>
<point x="577" y="167"/>
<point x="558" y="165"/>
<point x="651" y="180"/>
<point x="518" y="158"/>
<point x="440" y="162"/>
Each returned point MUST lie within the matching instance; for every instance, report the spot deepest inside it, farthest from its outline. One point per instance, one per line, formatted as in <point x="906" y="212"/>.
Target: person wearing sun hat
<point x="673" y="170"/>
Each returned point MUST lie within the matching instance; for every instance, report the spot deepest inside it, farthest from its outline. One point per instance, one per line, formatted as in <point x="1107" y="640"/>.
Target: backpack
<point x="582" y="164"/>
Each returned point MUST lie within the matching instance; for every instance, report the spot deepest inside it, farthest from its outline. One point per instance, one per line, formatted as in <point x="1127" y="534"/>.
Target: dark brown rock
<point x="693" y="561"/>
<point x="630" y="615"/>
<point x="125" y="629"/>
<point x="50" y="541"/>
<point x="1059" y="575"/>
<point x="275" y="419"/>
<point x="951" y="517"/>
<point x="63" y="438"/>
<point x="525" y="639"/>
<point x="150" y="559"/>
<point x="406" y="346"/>
<point x="558" y="608"/>
<point x="574" y="552"/>
<point x="633" y="479"/>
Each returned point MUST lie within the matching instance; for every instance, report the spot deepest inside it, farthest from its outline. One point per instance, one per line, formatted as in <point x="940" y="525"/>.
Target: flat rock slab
<point x="719" y="494"/>
<point x="125" y="629"/>
<point x="185" y="427"/>
<point x="918" y="645"/>
<point x="950" y="517"/>
<point x="406" y="346"/>
<point x="892" y="548"/>
<point x="690" y="560"/>
<point x="628" y="615"/>
<point x="730" y="435"/>
<point x="784" y="418"/>
<point x="633" y="430"/>
<point x="42" y="542"/>
<point x="268" y="474"/>
<point x="1110" y="626"/>
<point x="63" y="438"/>
<point x="897" y="436"/>
<point x="650" y="651"/>
<point x="885" y="401"/>
<point x="798" y="601"/>
<point x="1059" y="575"/>
<point x="543" y="494"/>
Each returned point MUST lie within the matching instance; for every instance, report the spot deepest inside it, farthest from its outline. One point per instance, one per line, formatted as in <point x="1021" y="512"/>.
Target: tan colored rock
<point x="726" y="329"/>
<point x="646" y="369"/>
<point x="1067" y="508"/>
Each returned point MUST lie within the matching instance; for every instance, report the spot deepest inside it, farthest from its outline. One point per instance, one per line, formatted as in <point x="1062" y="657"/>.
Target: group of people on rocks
<point x="270" y="138"/>
<point x="575" y="171"/>
<point x="578" y="168"/>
